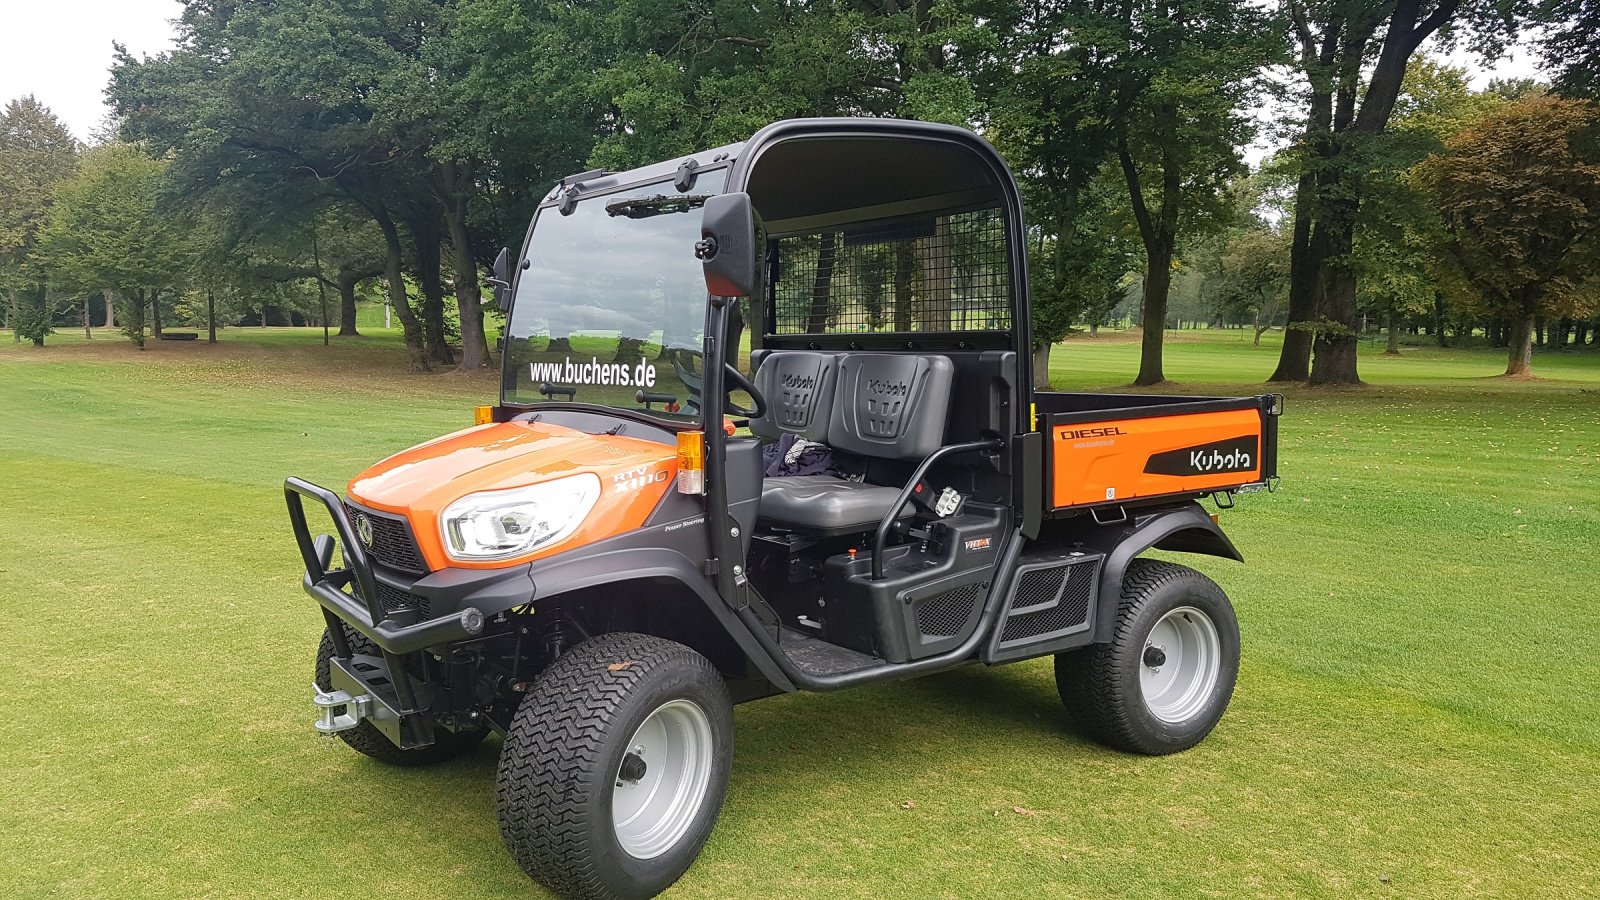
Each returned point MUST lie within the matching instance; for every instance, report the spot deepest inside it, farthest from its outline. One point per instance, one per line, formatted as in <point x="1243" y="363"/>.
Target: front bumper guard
<point x="363" y="611"/>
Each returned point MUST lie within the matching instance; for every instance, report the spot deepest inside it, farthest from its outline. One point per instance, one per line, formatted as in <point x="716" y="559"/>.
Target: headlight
<point x="503" y="524"/>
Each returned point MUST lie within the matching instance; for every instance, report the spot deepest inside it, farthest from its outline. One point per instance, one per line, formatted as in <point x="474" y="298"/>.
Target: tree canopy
<point x="1519" y="202"/>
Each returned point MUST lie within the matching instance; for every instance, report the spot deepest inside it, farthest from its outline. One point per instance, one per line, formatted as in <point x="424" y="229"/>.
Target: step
<point x="818" y="657"/>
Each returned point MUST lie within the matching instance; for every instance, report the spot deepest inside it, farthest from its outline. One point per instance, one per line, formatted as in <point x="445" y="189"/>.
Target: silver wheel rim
<point x="1180" y="664"/>
<point x="662" y="780"/>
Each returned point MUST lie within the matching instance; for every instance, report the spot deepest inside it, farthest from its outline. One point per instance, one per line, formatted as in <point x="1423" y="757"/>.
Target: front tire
<point x="615" y="767"/>
<point x="366" y="739"/>
<point x="1165" y="679"/>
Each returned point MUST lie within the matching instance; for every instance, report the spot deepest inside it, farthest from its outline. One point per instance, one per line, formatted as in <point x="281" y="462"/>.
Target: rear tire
<point x="615" y="767"/>
<point x="365" y="738"/>
<point x="1165" y="679"/>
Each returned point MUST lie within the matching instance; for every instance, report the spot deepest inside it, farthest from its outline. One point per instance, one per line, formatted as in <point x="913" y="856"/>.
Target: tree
<point x="107" y="227"/>
<point x="1391" y="253"/>
<point x="1195" y="64"/>
<point x="1571" y="45"/>
<point x="1353" y="55"/>
<point x="1247" y="271"/>
<point x="36" y="153"/>
<point x="1518" y="198"/>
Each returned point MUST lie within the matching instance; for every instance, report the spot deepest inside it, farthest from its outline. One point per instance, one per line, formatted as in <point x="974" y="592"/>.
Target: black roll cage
<point x="727" y="556"/>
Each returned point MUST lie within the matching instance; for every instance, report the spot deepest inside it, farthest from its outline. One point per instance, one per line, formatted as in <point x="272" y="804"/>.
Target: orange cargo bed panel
<point x="1181" y="453"/>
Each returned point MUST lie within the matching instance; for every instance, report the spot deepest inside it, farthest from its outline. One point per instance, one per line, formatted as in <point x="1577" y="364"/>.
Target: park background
<point x="1415" y="714"/>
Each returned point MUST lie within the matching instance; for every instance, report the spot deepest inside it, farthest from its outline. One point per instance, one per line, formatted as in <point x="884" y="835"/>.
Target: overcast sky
<point x="60" y="51"/>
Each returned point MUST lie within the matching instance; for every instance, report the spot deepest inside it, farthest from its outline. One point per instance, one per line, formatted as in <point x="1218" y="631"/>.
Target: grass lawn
<point x="1417" y="714"/>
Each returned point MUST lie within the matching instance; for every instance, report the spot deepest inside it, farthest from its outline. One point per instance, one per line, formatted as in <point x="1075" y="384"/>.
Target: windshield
<point x="612" y="308"/>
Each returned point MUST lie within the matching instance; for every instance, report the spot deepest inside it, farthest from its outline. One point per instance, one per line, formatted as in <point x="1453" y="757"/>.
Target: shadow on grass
<point x="790" y="749"/>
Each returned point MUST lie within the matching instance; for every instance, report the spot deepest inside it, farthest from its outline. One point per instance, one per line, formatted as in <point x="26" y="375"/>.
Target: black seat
<point x="882" y="405"/>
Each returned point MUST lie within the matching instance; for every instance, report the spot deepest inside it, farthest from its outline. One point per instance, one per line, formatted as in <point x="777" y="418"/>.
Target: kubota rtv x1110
<point x="766" y="424"/>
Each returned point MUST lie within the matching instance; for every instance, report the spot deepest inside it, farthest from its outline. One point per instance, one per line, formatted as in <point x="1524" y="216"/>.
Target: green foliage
<point x="108" y="228"/>
<point x="1518" y="198"/>
<point x="1571" y="44"/>
<point x="36" y="153"/>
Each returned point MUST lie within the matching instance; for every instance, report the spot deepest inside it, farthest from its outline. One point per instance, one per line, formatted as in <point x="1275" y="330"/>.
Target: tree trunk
<point x="1538" y="331"/>
<point x="211" y="317"/>
<point x="904" y="261"/>
<point x="822" y="284"/>
<point x="1157" y="286"/>
<point x="133" y="316"/>
<point x="111" y="308"/>
<point x="1519" y="363"/>
<point x="1041" y="367"/>
<point x="347" y="306"/>
<point x="426" y="242"/>
<point x="469" y="292"/>
<point x="1294" y="360"/>
<point x="155" y="312"/>
<point x="1159" y="235"/>
<point x="394" y="277"/>
<point x="1334" y="357"/>
<point x="1394" y="331"/>
<point x="937" y="269"/>
<point x="88" y="335"/>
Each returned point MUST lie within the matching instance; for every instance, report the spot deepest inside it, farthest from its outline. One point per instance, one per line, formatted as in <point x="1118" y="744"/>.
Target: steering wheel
<point x="744" y="384"/>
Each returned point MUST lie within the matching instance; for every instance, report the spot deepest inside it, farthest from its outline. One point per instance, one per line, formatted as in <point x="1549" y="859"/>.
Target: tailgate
<point x="1183" y="446"/>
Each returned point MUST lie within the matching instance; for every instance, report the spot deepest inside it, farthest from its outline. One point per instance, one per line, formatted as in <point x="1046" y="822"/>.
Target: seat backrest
<point x="798" y="386"/>
<point x="891" y="405"/>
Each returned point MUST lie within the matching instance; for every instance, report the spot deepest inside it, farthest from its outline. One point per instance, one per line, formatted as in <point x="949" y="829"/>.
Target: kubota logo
<point x="1234" y="455"/>
<point x="888" y="388"/>
<point x="364" y="528"/>
<point x="799" y="382"/>
<point x="1216" y="462"/>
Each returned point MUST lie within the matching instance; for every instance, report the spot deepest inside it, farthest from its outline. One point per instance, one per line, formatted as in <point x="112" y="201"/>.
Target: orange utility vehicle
<point x="656" y="523"/>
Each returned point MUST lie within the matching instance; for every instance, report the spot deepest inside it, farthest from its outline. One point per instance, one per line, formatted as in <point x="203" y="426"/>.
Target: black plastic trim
<point x="1185" y="528"/>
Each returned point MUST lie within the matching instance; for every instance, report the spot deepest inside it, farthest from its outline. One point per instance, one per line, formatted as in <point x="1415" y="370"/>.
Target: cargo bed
<point x="1119" y="449"/>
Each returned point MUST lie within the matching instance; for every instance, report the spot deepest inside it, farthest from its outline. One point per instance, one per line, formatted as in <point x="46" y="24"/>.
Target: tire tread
<point x="550" y="764"/>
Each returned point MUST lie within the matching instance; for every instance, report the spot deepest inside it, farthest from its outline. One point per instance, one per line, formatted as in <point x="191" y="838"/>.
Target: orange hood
<point x="420" y="482"/>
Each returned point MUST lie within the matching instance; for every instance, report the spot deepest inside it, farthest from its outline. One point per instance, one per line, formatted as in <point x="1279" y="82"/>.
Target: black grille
<point x="392" y="543"/>
<point x="931" y="274"/>
<point x="946" y="615"/>
<point x="395" y="600"/>
<point x="1042" y="586"/>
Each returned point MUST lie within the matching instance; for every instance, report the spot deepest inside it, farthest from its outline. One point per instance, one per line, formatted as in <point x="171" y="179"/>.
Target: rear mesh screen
<point x="932" y="274"/>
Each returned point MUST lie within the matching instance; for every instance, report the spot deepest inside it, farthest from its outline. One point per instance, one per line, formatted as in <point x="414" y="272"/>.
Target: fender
<point x="585" y="570"/>
<point x="1184" y="529"/>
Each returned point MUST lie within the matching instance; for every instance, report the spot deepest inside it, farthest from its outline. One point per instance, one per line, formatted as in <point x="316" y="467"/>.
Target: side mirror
<point x="501" y="280"/>
<point x="728" y="245"/>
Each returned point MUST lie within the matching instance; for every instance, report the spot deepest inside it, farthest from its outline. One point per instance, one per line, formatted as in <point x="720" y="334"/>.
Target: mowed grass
<point x="1418" y="713"/>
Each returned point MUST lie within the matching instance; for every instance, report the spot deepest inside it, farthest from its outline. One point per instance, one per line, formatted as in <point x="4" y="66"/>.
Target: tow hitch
<point x="329" y="721"/>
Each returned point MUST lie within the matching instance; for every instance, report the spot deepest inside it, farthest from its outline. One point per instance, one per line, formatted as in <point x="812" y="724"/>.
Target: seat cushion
<point x="823" y="503"/>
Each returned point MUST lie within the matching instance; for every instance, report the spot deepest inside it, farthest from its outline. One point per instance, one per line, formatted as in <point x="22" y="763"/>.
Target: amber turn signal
<point x="691" y="462"/>
<point x="482" y="415"/>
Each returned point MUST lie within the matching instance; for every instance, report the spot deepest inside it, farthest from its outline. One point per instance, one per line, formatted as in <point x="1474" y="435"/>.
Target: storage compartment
<point x="1113" y="448"/>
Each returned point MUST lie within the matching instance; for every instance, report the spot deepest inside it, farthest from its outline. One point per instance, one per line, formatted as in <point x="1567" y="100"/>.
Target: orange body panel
<point x="420" y="482"/>
<point x="1099" y="462"/>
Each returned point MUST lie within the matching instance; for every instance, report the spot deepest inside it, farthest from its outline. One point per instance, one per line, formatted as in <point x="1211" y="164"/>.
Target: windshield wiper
<point x="644" y="207"/>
